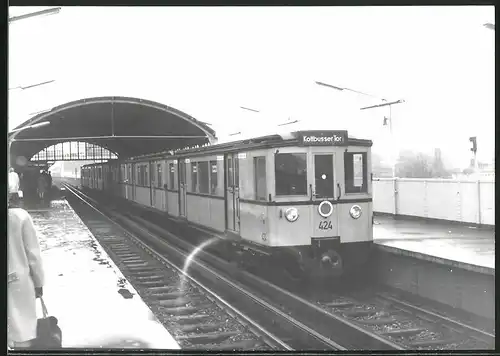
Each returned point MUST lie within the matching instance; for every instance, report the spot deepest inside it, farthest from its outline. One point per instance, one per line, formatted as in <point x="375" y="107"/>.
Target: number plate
<point x="325" y="225"/>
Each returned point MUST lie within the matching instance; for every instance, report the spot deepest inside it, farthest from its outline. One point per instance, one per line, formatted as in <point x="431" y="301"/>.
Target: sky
<point x="208" y="62"/>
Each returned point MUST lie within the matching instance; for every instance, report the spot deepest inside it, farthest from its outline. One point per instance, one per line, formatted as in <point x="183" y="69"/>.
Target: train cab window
<point x="194" y="176"/>
<point x="259" y="164"/>
<point x="203" y="177"/>
<point x="290" y="173"/>
<point x="356" y="173"/>
<point x="323" y="175"/>
<point x="160" y="177"/>
<point x="213" y="177"/>
<point x="171" y="172"/>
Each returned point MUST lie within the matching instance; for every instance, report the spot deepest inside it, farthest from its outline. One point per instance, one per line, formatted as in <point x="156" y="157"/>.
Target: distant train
<point x="303" y="201"/>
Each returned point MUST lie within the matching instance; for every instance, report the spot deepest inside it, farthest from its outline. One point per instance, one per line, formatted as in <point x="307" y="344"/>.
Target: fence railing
<point x="447" y="199"/>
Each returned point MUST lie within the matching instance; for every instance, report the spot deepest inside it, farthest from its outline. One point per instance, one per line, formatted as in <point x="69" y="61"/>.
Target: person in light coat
<point x="25" y="278"/>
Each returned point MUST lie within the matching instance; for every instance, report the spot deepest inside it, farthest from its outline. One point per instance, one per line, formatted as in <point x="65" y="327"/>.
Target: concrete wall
<point x="447" y="199"/>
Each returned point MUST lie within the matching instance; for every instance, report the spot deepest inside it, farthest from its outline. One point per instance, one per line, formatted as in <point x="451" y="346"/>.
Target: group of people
<point x="43" y="184"/>
<point x="25" y="274"/>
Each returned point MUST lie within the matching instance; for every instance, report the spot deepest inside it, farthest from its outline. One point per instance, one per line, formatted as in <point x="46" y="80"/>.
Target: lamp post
<point x="385" y="102"/>
<point x="490" y="26"/>
<point x="45" y="12"/>
<point x="32" y="85"/>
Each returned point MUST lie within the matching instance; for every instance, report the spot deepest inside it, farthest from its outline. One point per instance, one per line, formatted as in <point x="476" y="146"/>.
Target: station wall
<point x="446" y="199"/>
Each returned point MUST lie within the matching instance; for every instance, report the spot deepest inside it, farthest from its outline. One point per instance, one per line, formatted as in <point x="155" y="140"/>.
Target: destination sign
<point x="323" y="138"/>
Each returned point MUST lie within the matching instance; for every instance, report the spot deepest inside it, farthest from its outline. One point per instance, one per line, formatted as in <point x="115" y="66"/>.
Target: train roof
<point x="269" y="141"/>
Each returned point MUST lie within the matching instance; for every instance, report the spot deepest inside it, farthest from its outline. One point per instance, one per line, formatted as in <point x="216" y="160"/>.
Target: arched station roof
<point x="125" y="125"/>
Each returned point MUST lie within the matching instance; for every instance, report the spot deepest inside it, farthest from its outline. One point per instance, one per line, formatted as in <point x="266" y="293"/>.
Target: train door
<point x="182" y="188"/>
<point x="133" y="179"/>
<point x="152" y="181"/>
<point x="127" y="181"/>
<point x="325" y="187"/>
<point x="232" y="193"/>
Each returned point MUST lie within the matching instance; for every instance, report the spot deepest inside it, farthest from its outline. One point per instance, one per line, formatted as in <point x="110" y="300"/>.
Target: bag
<point x="48" y="333"/>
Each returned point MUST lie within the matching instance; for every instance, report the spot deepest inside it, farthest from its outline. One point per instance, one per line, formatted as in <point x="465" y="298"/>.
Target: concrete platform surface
<point x="82" y="288"/>
<point x="461" y="244"/>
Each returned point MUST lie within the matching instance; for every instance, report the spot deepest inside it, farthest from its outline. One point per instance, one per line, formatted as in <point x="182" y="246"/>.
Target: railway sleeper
<point x="403" y="332"/>
<point x="340" y="304"/>
<point x="240" y="345"/>
<point x="191" y="319"/>
<point x="126" y="255"/>
<point x="162" y="289"/>
<point x="148" y="272"/>
<point x="121" y="252"/>
<point x="185" y="310"/>
<point x="173" y="303"/>
<point x="208" y="338"/>
<point x="129" y="260"/>
<point x="424" y="343"/>
<point x="167" y="296"/>
<point x="201" y="327"/>
<point x="120" y="245"/>
<point x="359" y="312"/>
<point x="378" y="321"/>
<point x="158" y="283"/>
<point x="149" y="277"/>
<point x="142" y="264"/>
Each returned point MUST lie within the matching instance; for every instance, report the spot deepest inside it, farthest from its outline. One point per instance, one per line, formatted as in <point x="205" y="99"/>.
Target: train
<point x="300" y="200"/>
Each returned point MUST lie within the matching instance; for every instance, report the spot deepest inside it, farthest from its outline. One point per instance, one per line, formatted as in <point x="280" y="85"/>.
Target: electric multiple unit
<point x="302" y="201"/>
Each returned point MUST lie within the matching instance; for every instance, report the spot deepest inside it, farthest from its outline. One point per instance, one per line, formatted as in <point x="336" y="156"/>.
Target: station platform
<point x="82" y="287"/>
<point x="466" y="247"/>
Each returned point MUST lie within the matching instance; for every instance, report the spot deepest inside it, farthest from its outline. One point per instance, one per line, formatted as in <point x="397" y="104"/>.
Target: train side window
<point x="290" y="173"/>
<point x="99" y="173"/>
<point x="259" y="164"/>
<point x="153" y="174"/>
<point x="194" y="176"/>
<point x="171" y="172"/>
<point x="160" y="176"/>
<point x="213" y="177"/>
<point x="230" y="177"/>
<point x="204" y="177"/>
<point x="146" y="176"/>
<point x="356" y="173"/>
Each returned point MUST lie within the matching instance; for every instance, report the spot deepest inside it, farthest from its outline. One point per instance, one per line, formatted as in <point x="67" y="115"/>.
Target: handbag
<point x="48" y="333"/>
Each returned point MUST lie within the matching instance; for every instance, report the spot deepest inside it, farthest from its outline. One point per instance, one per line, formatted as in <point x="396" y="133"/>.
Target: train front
<point x="331" y="232"/>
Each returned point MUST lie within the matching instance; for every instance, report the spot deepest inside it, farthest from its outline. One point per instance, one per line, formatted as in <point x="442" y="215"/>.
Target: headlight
<point x="325" y="209"/>
<point x="291" y="214"/>
<point x="355" y="211"/>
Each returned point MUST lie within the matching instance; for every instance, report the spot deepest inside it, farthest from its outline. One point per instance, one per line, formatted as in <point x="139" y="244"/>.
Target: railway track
<point x="298" y="323"/>
<point x="414" y="327"/>
<point x="391" y="323"/>
<point x="196" y="316"/>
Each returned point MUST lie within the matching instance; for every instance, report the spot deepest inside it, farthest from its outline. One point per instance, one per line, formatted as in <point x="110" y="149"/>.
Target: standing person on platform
<point x="25" y="278"/>
<point x="42" y="185"/>
<point x="14" y="184"/>
<point x="49" y="177"/>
